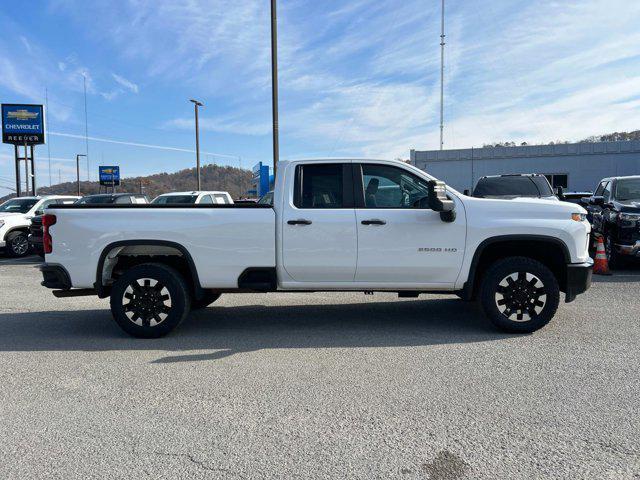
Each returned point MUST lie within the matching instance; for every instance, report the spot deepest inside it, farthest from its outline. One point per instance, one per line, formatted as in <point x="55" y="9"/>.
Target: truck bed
<point x="222" y="240"/>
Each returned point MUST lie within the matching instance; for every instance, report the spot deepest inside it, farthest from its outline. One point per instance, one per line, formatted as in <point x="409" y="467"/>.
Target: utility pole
<point x="274" y="86"/>
<point x="78" y="170"/>
<point x="442" y="79"/>
<point x="46" y="112"/>
<point x="197" y="104"/>
<point x="86" y="126"/>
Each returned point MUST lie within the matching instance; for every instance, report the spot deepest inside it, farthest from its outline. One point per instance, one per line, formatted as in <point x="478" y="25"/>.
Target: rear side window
<point x="220" y="198"/>
<point x="206" y="200"/>
<point x="120" y="200"/>
<point x="319" y="186"/>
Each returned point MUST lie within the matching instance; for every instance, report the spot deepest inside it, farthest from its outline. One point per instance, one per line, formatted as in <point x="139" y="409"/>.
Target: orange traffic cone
<point x="601" y="265"/>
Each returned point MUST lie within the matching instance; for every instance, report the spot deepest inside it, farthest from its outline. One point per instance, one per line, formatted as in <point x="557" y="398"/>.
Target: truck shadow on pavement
<point x="234" y="329"/>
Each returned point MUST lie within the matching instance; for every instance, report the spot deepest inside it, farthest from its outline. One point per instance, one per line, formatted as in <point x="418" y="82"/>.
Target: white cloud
<point x="128" y="84"/>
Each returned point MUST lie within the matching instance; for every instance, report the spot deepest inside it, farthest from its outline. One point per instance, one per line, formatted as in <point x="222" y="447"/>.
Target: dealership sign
<point x="109" y="176"/>
<point x="22" y="124"/>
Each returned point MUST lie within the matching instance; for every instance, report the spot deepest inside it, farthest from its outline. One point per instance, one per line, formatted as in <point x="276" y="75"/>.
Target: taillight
<point x="47" y="241"/>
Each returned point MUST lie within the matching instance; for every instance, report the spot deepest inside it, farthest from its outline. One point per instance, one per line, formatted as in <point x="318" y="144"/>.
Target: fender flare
<point x="102" y="290"/>
<point x="469" y="285"/>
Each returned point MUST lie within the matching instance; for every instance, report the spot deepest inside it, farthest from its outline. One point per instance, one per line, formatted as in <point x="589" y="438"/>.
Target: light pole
<point x="78" y="170"/>
<point x="274" y="85"/>
<point x="197" y="104"/>
<point x="442" y="43"/>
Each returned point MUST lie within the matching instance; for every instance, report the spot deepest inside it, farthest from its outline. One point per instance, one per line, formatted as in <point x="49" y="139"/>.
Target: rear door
<point x="319" y="243"/>
<point x="399" y="243"/>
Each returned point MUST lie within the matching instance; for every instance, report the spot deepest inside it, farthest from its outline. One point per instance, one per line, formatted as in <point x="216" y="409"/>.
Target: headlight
<point x="579" y="217"/>
<point x="629" y="217"/>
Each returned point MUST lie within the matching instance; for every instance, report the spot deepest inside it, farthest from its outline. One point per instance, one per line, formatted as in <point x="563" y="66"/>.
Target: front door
<point x="399" y="243"/>
<point x="318" y="226"/>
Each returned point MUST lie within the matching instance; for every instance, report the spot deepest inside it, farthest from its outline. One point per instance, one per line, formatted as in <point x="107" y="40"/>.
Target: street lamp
<point x="78" y="170"/>
<point x="197" y="104"/>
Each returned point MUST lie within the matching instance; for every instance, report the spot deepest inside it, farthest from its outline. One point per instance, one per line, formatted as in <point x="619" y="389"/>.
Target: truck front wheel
<point x="519" y="294"/>
<point x="150" y="300"/>
<point x="17" y="244"/>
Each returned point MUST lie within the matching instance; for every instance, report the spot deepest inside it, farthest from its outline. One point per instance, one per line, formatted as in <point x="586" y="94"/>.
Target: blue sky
<point x="357" y="78"/>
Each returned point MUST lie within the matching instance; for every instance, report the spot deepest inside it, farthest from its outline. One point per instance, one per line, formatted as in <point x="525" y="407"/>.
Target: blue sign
<point x="109" y="175"/>
<point x="260" y="181"/>
<point x="22" y="124"/>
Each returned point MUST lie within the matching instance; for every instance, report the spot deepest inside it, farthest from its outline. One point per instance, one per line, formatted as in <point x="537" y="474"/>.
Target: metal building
<point x="575" y="166"/>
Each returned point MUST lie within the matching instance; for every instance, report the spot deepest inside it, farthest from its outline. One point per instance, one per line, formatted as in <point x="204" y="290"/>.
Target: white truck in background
<point x="335" y="225"/>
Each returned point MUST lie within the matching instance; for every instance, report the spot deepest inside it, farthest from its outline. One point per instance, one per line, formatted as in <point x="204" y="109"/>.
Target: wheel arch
<point x="550" y="251"/>
<point x="147" y="251"/>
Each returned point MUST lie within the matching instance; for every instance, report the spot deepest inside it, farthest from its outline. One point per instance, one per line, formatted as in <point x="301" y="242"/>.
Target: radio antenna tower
<point x="442" y="79"/>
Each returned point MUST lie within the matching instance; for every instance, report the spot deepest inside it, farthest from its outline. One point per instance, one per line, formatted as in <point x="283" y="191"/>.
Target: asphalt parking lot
<point x="318" y="386"/>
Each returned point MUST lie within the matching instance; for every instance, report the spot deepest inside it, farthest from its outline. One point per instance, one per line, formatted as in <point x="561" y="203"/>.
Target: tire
<point x="17" y="244"/>
<point x="613" y="258"/>
<point x="504" y="289"/>
<point x="207" y="299"/>
<point x="150" y="300"/>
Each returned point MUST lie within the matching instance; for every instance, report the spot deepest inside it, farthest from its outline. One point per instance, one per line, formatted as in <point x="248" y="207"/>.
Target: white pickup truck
<point x="335" y="225"/>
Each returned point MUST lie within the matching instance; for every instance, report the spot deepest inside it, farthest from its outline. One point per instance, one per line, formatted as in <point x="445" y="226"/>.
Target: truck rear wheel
<point x="519" y="294"/>
<point x="150" y="300"/>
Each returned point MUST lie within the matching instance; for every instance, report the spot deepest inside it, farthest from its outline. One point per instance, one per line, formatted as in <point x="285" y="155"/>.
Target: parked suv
<point x="528" y="185"/>
<point x="615" y="211"/>
<point x="15" y="219"/>
<point x="193" y="198"/>
<point x="114" y="198"/>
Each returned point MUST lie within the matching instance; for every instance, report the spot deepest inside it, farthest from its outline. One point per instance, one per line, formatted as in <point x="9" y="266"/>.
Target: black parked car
<point x="531" y="185"/>
<point x="615" y="212"/>
<point x="35" y="230"/>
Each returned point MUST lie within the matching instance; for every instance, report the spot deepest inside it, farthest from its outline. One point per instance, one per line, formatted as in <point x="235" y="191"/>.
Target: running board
<point x="74" y="292"/>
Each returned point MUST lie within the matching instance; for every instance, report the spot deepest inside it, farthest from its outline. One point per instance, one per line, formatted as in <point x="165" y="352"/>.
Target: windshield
<point x="516" y="186"/>
<point x="628" y="189"/>
<point x="93" y="199"/>
<point x="18" y="205"/>
<point x="266" y="199"/>
<point x="175" y="199"/>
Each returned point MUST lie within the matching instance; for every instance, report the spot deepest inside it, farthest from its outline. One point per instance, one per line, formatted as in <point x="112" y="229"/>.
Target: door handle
<point x="299" y="222"/>
<point x="374" y="221"/>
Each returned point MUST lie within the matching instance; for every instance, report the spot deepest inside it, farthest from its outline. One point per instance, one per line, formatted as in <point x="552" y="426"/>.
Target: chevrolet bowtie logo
<point x="22" y="114"/>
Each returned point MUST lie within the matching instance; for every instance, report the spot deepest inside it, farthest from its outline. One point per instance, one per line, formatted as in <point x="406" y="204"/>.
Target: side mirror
<point x="466" y="192"/>
<point x="597" y="200"/>
<point x="38" y="212"/>
<point x="560" y="193"/>
<point x="439" y="202"/>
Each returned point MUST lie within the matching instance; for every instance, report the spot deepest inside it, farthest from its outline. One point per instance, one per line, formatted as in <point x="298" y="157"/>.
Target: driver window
<point x="391" y="187"/>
